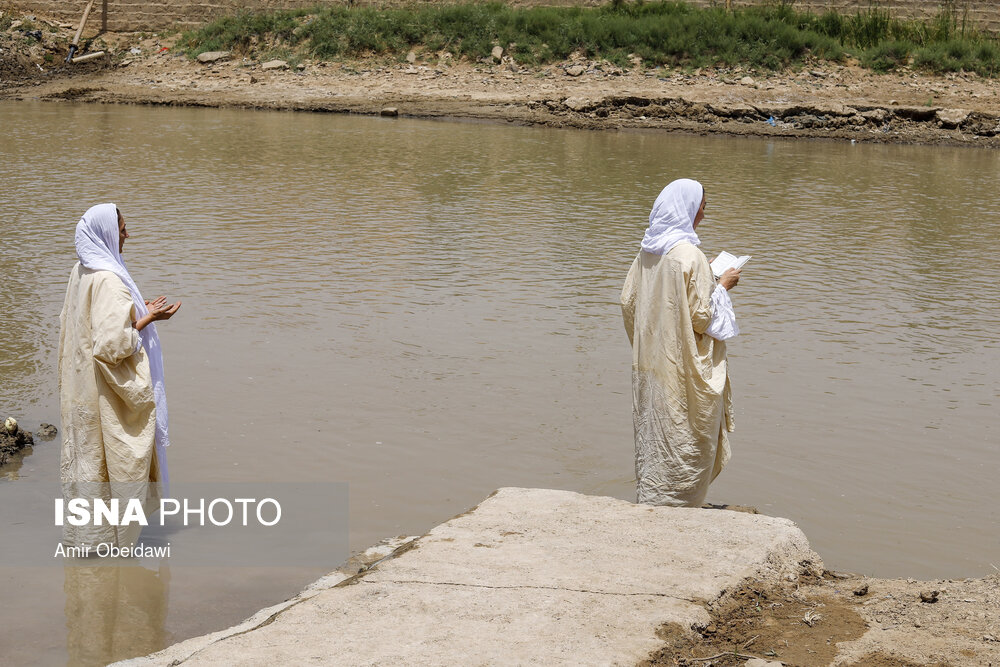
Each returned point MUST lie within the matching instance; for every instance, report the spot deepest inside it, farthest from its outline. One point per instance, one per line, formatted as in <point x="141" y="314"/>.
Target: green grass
<point x="874" y="26"/>
<point x="662" y="33"/>
<point x="948" y="43"/>
<point x="887" y="56"/>
<point x="670" y="34"/>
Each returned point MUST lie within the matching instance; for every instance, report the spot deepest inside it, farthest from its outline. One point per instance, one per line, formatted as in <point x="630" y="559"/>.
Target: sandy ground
<point x="847" y="620"/>
<point x="843" y="619"/>
<point x="822" y="100"/>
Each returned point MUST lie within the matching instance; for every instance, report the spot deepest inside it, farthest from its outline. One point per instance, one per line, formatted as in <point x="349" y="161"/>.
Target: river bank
<point x="823" y="100"/>
<point x="537" y="576"/>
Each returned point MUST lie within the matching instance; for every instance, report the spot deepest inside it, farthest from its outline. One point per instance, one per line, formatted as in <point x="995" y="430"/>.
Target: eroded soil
<point x="846" y="620"/>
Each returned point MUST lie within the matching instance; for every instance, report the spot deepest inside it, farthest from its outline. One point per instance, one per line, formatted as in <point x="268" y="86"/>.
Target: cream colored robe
<point x="106" y="397"/>
<point x="681" y="398"/>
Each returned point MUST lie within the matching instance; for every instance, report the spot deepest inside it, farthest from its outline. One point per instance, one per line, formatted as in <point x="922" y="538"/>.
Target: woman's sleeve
<point x="115" y="339"/>
<point x="628" y="299"/>
<point x="723" y="325"/>
<point x="700" y="286"/>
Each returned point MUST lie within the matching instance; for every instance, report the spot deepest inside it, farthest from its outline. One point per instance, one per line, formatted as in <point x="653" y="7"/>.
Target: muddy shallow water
<point x="428" y="311"/>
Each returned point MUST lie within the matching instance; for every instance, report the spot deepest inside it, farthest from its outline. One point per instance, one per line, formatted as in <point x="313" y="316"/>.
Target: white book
<point x="727" y="261"/>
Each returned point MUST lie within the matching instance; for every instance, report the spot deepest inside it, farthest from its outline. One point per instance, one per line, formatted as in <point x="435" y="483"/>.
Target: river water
<point x="429" y="310"/>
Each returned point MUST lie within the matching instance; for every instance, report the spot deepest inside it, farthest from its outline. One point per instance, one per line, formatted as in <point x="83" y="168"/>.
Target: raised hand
<point x="161" y="310"/>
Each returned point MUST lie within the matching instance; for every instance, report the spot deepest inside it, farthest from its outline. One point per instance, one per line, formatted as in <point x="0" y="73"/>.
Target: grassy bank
<point x="661" y="33"/>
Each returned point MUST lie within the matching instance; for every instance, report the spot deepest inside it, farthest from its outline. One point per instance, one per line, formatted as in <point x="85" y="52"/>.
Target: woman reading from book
<point x="678" y="318"/>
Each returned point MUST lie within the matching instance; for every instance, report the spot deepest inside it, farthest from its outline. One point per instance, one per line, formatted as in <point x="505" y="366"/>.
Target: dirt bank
<point x="842" y="102"/>
<point x="846" y="620"/>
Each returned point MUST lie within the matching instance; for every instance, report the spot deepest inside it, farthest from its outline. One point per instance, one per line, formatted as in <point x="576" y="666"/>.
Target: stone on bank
<point x="213" y="56"/>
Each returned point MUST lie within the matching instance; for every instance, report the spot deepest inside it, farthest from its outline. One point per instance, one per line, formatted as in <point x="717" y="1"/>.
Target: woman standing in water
<point x="678" y="319"/>
<point x="112" y="395"/>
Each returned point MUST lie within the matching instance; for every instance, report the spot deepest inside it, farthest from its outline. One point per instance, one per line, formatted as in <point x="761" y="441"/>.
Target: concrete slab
<point x="530" y="576"/>
<point x="559" y="539"/>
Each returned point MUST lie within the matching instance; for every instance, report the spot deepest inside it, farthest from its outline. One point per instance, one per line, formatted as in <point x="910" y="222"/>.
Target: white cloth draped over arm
<point x="629" y="292"/>
<point x="723" y="325"/>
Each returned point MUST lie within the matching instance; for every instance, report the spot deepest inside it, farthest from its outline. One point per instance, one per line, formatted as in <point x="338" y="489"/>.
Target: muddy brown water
<point x="428" y="311"/>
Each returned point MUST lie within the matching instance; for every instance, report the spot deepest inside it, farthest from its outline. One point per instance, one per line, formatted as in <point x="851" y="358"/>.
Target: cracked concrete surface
<point x="530" y="576"/>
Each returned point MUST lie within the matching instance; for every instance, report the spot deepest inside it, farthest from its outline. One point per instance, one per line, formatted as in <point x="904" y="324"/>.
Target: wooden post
<point x="79" y="31"/>
<point x="83" y="21"/>
<point x="89" y="56"/>
<point x="104" y="16"/>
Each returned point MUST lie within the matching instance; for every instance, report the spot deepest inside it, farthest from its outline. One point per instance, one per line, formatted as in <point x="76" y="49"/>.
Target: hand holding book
<point x="726" y="267"/>
<point x="727" y="260"/>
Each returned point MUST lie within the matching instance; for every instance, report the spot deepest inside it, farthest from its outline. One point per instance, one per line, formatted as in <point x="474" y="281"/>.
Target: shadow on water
<point x="11" y="470"/>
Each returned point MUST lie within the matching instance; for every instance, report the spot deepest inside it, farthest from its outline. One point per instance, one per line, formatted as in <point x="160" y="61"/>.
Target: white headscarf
<point x="97" y="248"/>
<point x="672" y="219"/>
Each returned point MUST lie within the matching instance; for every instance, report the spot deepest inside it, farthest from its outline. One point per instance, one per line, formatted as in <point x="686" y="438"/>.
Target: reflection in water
<point x="114" y="612"/>
<point x="115" y="494"/>
<point x="11" y="470"/>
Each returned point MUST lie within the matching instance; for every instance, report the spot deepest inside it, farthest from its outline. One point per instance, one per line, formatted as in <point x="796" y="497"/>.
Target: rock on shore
<point x="13" y="439"/>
